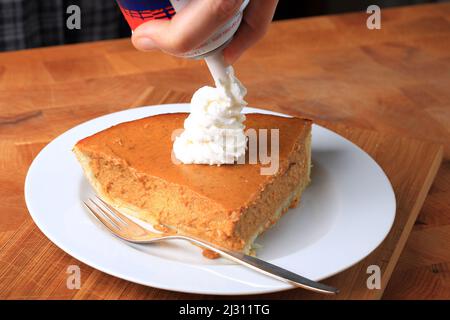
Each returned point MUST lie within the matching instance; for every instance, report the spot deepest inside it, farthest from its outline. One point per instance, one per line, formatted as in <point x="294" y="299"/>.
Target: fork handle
<point x="264" y="267"/>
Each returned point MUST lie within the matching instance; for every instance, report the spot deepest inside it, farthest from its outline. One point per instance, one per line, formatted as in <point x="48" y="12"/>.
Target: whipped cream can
<point x="137" y="12"/>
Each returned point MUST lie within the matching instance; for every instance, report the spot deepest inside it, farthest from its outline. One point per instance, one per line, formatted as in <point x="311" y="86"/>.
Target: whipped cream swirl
<point x="214" y="130"/>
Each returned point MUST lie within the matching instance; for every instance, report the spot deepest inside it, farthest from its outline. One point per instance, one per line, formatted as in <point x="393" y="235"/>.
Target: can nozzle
<point x="217" y="66"/>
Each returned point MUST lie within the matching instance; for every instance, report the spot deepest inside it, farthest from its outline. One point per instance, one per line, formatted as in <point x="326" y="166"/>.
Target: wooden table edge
<point x="432" y="172"/>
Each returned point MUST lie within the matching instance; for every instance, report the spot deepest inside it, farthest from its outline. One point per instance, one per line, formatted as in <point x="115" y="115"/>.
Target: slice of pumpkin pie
<point x="131" y="166"/>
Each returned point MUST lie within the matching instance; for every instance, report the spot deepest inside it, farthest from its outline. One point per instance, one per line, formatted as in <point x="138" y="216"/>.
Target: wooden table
<point x="387" y="90"/>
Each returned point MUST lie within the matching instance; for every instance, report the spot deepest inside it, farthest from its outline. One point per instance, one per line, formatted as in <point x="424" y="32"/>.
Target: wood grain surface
<point x="387" y="90"/>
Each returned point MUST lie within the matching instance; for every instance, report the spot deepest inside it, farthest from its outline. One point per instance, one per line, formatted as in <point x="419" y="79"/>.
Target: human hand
<point x="199" y="20"/>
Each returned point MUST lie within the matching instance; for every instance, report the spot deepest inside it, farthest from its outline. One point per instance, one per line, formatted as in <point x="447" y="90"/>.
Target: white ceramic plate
<point x="344" y="215"/>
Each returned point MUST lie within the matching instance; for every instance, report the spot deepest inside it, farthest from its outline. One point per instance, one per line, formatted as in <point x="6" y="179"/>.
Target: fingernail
<point x="144" y="43"/>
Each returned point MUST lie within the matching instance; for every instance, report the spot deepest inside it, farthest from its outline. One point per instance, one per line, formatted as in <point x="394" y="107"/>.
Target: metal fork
<point x="128" y="230"/>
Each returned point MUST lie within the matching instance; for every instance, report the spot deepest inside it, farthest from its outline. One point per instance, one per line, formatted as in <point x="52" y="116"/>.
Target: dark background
<point x="291" y="9"/>
<point x="39" y="23"/>
<point x="288" y="9"/>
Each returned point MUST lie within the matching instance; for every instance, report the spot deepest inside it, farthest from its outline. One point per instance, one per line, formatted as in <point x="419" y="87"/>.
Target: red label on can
<point x="137" y="12"/>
